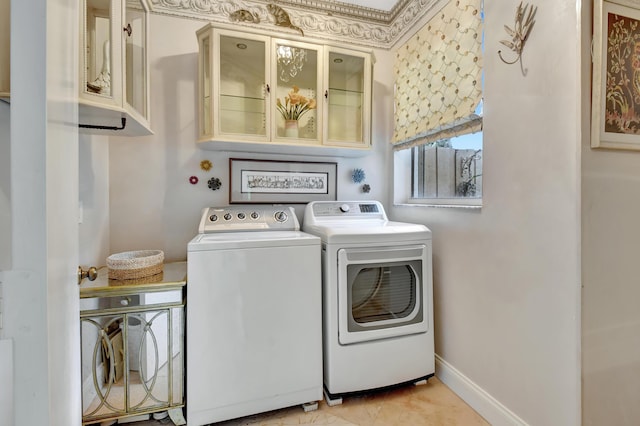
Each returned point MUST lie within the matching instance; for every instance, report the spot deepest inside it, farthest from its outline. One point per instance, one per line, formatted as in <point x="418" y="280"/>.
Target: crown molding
<point x="319" y="19"/>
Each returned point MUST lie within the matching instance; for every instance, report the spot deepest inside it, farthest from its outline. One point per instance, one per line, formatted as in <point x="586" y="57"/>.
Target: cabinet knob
<point x="91" y="274"/>
<point x="268" y="89"/>
<point x="326" y="94"/>
<point x="128" y="30"/>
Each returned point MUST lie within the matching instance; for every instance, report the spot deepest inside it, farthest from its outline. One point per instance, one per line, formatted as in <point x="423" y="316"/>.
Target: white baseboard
<point x="486" y="405"/>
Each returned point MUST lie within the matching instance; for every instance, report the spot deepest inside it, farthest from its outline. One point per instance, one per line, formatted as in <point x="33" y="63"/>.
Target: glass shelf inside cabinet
<point x="240" y="114"/>
<point x="345" y="115"/>
<point x="345" y="98"/>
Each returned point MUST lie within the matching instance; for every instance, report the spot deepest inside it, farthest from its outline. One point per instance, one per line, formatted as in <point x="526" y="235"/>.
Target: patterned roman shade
<point x="439" y="77"/>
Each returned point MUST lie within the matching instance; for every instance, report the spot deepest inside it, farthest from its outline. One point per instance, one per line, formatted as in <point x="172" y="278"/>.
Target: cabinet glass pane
<point x="242" y="104"/>
<point x="296" y="92"/>
<point x="205" y="52"/>
<point x="346" y="97"/>
<point x="98" y="64"/>
<point x="135" y="62"/>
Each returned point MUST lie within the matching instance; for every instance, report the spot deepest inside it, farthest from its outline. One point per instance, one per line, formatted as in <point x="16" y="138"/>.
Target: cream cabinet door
<point x="347" y="98"/>
<point x="100" y="53"/>
<point x="135" y="35"/>
<point x="234" y="86"/>
<point x="114" y="92"/>
<point x="297" y="88"/>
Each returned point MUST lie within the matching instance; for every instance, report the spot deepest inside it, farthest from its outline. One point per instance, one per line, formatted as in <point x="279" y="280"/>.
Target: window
<point x="438" y="108"/>
<point x="448" y="168"/>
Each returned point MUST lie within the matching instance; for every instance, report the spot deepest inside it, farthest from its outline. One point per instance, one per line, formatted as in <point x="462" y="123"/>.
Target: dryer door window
<point x="381" y="293"/>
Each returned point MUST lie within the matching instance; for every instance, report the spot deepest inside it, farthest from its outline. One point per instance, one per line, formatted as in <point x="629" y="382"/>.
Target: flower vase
<point x="291" y="128"/>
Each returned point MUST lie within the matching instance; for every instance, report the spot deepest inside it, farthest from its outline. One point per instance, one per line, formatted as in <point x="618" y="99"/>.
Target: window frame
<point x="403" y="184"/>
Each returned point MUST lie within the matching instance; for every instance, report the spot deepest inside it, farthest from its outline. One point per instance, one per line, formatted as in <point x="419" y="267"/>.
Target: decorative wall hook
<point x="214" y="183"/>
<point x="520" y="33"/>
<point x="358" y="175"/>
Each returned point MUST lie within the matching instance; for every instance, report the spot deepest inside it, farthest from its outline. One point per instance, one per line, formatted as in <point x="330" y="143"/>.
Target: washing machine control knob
<point x="241" y="216"/>
<point x="213" y="218"/>
<point x="280" y="216"/>
<point x="227" y="216"/>
<point x="344" y="208"/>
<point x="254" y="215"/>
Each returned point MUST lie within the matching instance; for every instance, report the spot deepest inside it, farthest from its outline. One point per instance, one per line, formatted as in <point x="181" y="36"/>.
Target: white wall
<point x="40" y="314"/>
<point x="611" y="244"/>
<point x="93" y="216"/>
<point x="611" y="318"/>
<point x="507" y="277"/>
<point x="152" y="203"/>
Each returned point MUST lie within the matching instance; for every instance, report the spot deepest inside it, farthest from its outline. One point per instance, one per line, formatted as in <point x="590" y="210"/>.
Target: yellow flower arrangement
<point x="295" y="105"/>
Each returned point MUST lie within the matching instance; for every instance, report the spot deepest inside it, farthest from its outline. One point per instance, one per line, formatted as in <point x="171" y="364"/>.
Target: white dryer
<point x="377" y="297"/>
<point x="254" y="332"/>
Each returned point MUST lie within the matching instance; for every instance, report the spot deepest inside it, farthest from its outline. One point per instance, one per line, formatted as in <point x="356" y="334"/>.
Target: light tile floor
<point x="430" y="404"/>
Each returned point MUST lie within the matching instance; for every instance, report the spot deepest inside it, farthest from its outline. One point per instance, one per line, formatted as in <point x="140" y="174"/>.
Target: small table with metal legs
<point x="132" y="341"/>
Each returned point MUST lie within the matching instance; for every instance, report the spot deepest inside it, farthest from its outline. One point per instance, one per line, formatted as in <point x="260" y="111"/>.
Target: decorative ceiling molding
<point x="320" y="19"/>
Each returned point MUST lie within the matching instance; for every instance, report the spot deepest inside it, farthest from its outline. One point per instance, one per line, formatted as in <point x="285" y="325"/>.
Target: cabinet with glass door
<point x="266" y="94"/>
<point x="348" y="98"/>
<point x="236" y="109"/>
<point x="114" y="94"/>
<point x="297" y="78"/>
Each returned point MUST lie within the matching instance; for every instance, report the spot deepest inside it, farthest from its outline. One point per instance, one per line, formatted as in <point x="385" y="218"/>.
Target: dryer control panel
<point x="248" y="218"/>
<point x="346" y="210"/>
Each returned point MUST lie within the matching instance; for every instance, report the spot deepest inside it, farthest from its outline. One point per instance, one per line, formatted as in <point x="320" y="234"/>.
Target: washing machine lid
<point x="255" y="239"/>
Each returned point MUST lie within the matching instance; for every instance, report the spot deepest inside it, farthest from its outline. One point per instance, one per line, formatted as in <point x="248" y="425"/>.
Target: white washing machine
<point x="377" y="297"/>
<point x="254" y="330"/>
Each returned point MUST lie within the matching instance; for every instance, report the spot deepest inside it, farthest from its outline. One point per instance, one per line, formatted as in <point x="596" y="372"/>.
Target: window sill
<point x="458" y="203"/>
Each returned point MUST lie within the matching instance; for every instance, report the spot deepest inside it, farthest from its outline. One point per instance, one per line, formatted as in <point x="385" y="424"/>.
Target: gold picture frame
<point x="615" y="94"/>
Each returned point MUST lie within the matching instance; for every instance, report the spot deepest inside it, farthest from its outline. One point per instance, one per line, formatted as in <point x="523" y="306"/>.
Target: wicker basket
<point x="131" y="265"/>
<point x="151" y="279"/>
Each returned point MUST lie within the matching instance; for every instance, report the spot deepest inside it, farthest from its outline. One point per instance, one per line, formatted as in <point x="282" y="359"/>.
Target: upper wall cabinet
<point x="266" y="94"/>
<point x="114" y="75"/>
<point x="4" y="49"/>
